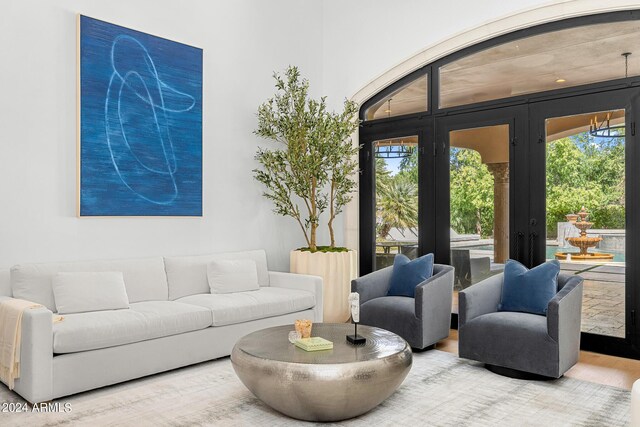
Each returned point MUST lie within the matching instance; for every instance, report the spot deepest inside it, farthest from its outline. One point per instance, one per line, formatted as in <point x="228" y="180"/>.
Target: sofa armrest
<point x="36" y="355"/>
<point x="303" y="282"/>
<point x="435" y="294"/>
<point x="481" y="298"/>
<point x="372" y="285"/>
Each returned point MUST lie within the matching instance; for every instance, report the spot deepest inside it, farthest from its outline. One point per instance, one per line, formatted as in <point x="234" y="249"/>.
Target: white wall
<point x="365" y="38"/>
<point x="340" y="46"/>
<point x="244" y="42"/>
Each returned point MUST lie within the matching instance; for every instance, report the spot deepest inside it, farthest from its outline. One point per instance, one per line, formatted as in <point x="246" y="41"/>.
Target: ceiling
<point x="492" y="142"/>
<point x="579" y="55"/>
<point x="560" y="127"/>
<point x="564" y="58"/>
<point x="411" y="98"/>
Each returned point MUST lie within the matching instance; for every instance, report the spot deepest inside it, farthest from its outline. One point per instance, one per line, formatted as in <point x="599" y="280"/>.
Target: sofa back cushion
<point x="145" y="279"/>
<point x="232" y="275"/>
<point x="187" y="275"/>
<point x="75" y="292"/>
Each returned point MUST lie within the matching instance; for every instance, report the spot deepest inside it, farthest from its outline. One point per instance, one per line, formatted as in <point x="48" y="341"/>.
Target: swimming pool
<point x="551" y="251"/>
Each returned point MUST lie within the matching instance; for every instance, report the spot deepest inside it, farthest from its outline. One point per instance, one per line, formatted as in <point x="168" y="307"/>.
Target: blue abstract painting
<point x="140" y="123"/>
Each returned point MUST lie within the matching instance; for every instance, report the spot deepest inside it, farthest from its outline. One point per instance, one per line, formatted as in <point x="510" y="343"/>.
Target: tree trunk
<point x="312" y="241"/>
<point x="313" y="217"/>
<point x="331" y="214"/>
<point x="333" y="240"/>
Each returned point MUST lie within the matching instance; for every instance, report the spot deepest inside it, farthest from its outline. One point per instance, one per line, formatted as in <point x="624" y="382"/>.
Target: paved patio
<point x="603" y="302"/>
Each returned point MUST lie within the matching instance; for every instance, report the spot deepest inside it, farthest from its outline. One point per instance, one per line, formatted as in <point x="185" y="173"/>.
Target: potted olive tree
<point x="309" y="172"/>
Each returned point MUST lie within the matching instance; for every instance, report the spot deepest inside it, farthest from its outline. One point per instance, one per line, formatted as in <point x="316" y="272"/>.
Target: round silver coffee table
<point x="327" y="385"/>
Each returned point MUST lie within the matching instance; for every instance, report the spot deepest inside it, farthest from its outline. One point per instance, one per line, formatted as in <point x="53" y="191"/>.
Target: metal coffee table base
<point x="324" y="391"/>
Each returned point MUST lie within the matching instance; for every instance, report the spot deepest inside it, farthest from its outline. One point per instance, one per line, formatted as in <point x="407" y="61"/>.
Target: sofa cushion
<point x="529" y="291"/>
<point x="241" y="307"/>
<point x="143" y="321"/>
<point x="82" y="292"/>
<point x="144" y="279"/>
<point x="232" y="275"/>
<point x="187" y="275"/>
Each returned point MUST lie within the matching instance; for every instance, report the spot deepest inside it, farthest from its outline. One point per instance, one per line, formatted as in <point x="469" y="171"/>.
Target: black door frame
<point x="422" y="126"/>
<point x="427" y="178"/>
<point x="516" y="118"/>
<point x="538" y="113"/>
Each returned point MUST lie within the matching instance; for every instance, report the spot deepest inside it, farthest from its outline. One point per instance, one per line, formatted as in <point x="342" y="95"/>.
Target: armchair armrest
<point x="433" y="303"/>
<point x="481" y="298"/>
<point x="372" y="285"/>
<point x="564" y="311"/>
<point x="303" y="282"/>
<point x="436" y="292"/>
<point x="36" y="355"/>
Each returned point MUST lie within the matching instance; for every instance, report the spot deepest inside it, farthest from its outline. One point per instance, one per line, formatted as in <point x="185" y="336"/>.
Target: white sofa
<point x="173" y="321"/>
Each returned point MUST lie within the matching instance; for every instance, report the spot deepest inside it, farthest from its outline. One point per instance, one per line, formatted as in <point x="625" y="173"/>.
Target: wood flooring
<point x="593" y="367"/>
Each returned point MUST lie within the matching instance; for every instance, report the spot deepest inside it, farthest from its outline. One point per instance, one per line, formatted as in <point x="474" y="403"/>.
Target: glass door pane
<point x="479" y="203"/>
<point x="585" y="211"/>
<point x="396" y="199"/>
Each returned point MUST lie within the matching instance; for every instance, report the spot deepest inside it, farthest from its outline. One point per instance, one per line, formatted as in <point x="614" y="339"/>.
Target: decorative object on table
<point x="529" y="291"/>
<point x="303" y="327"/>
<point x="354" y="304"/>
<point x="314" y="160"/>
<point x="327" y="385"/>
<point x="294" y="336"/>
<point x="140" y="123"/>
<point x="423" y="320"/>
<point x="314" y="344"/>
<point x="583" y="242"/>
<point x="407" y="274"/>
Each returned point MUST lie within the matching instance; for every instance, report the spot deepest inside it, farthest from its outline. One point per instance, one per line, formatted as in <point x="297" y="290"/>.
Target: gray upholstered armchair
<point x="423" y="320"/>
<point x="543" y="345"/>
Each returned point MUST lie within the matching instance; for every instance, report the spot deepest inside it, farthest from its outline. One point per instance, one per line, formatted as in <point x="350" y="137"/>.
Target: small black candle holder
<point x="356" y="339"/>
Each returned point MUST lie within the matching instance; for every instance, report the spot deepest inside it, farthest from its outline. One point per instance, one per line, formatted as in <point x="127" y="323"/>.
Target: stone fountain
<point x="583" y="242"/>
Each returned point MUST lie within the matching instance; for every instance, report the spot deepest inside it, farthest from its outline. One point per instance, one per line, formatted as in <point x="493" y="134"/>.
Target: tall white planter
<point x="337" y="269"/>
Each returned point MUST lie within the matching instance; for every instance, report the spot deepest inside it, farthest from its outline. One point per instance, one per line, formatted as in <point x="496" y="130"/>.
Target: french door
<point x="397" y="175"/>
<point x="509" y="183"/>
<point x="584" y="192"/>
<point x="481" y="185"/>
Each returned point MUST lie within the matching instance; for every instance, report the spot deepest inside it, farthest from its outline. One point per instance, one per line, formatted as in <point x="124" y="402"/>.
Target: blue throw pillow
<point x="529" y="291"/>
<point x="408" y="274"/>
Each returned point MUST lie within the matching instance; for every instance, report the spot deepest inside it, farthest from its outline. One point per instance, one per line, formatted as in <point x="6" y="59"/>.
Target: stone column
<point x="500" y="172"/>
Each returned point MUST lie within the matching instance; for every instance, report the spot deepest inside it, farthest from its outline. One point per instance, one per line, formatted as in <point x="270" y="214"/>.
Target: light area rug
<point x="440" y="390"/>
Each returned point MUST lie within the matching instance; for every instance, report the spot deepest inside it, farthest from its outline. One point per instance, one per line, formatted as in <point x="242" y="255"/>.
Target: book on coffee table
<point x="314" y="344"/>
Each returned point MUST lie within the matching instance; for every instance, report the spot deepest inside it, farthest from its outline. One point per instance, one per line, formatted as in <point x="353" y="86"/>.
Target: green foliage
<point x="313" y="152"/>
<point x="585" y="171"/>
<point x="396" y="200"/>
<point x="341" y="160"/>
<point x="471" y="193"/>
<point x="580" y="170"/>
